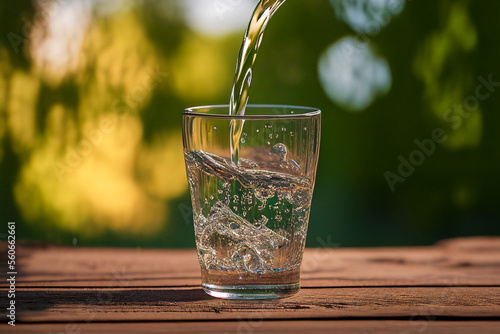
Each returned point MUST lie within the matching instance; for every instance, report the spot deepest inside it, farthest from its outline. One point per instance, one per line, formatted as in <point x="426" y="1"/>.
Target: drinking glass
<point x="251" y="212"/>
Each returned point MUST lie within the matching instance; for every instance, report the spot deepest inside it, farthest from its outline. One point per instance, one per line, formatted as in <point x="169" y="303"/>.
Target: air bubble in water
<point x="251" y="246"/>
<point x="281" y="150"/>
<point x="262" y="221"/>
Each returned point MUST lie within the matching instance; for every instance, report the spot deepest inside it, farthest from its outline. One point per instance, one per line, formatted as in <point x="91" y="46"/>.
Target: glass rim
<point x="307" y="112"/>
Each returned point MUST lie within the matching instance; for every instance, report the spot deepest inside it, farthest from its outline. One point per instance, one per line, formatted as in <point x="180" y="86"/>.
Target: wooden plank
<point x="385" y="289"/>
<point x="470" y="261"/>
<point x="416" y="326"/>
<point x="185" y="304"/>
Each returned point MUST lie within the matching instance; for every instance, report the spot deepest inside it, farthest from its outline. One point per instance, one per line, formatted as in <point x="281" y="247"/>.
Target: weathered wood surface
<point x="474" y="261"/>
<point x="244" y="326"/>
<point x="184" y="304"/>
<point x="454" y="285"/>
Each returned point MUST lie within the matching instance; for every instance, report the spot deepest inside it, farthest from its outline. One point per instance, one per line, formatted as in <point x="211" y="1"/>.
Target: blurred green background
<point x="91" y="95"/>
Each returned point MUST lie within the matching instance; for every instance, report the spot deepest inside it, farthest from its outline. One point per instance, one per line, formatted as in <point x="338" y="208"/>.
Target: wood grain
<point x="445" y="264"/>
<point x="158" y="304"/>
<point x="453" y="286"/>
<point x="415" y="326"/>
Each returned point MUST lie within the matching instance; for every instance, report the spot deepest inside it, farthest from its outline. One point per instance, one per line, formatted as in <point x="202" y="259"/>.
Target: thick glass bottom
<point x="256" y="291"/>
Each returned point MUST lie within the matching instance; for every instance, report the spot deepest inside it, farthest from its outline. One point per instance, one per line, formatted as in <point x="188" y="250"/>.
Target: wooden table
<point x="452" y="287"/>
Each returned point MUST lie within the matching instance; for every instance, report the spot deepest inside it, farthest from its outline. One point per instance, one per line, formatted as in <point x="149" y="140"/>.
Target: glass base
<point x="264" y="291"/>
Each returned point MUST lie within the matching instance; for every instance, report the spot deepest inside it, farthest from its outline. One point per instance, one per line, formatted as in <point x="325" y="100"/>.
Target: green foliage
<point x="137" y="67"/>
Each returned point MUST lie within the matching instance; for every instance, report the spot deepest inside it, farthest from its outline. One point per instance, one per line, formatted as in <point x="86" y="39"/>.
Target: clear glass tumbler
<point x="251" y="217"/>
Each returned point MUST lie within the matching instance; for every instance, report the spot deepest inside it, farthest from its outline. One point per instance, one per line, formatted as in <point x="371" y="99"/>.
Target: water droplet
<point x="292" y="112"/>
<point x="215" y="128"/>
<point x="258" y="130"/>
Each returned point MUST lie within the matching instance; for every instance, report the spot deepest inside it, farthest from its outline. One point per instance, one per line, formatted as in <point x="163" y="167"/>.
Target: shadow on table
<point x="39" y="300"/>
